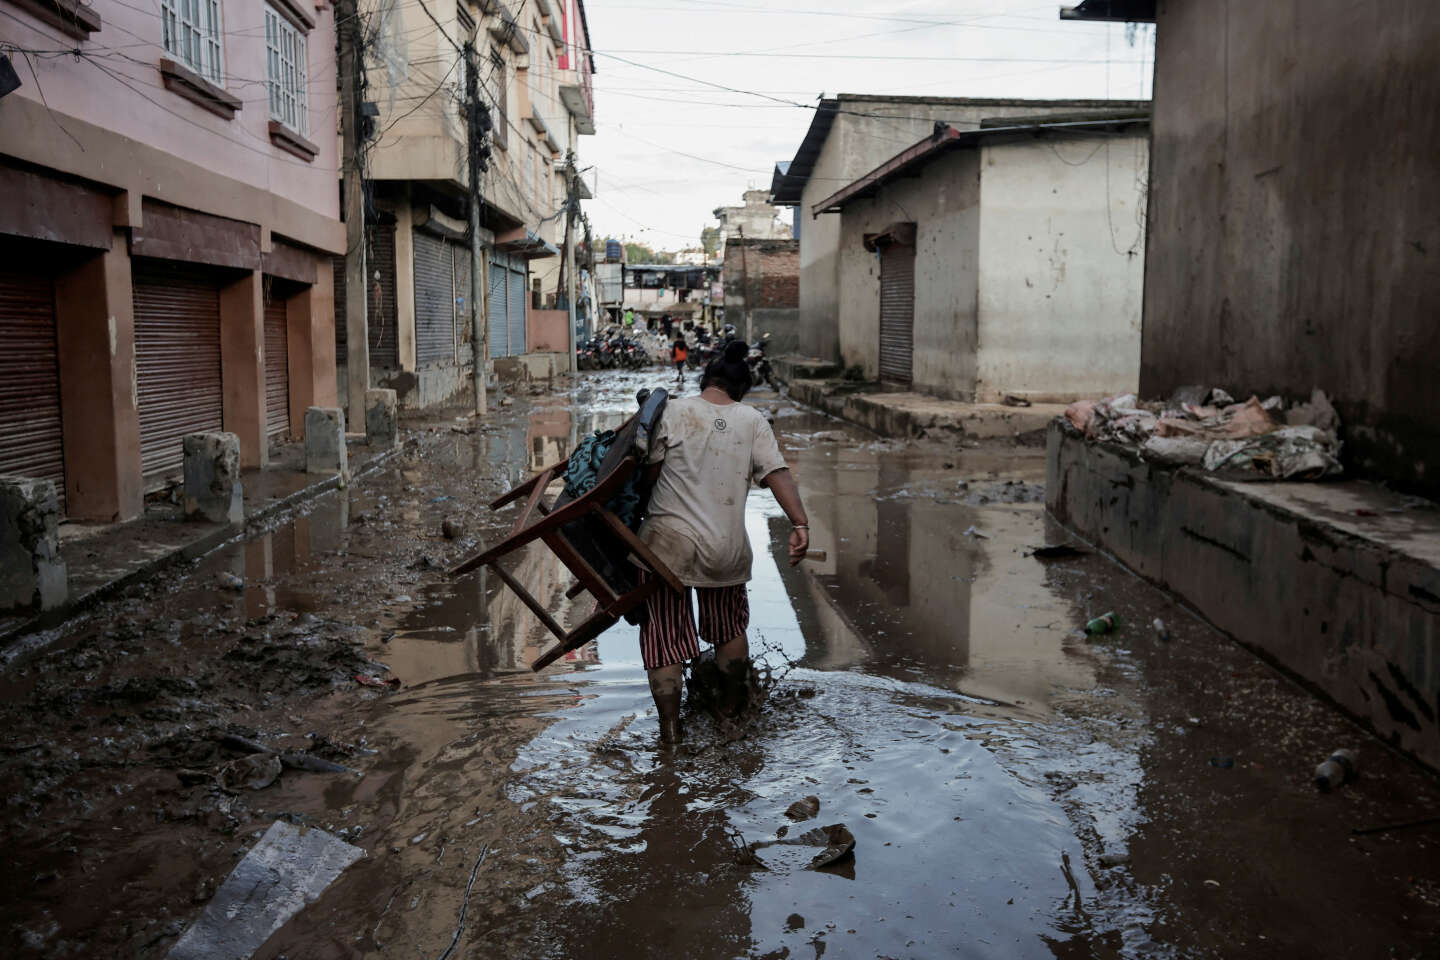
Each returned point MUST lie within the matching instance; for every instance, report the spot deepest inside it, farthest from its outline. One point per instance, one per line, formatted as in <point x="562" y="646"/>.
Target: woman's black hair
<point x="729" y="371"/>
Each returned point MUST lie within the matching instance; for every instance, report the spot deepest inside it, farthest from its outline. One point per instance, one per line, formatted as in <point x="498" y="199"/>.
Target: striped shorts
<point x="668" y="634"/>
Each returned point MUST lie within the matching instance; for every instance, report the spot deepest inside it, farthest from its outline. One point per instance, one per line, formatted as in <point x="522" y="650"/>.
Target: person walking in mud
<point x="679" y="354"/>
<point x="703" y="456"/>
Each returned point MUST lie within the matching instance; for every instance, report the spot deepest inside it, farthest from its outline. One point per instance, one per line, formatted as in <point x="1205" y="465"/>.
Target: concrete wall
<point x="867" y="132"/>
<point x="1060" y="275"/>
<point x="1347" y="604"/>
<point x="1293" y="236"/>
<point x="944" y="205"/>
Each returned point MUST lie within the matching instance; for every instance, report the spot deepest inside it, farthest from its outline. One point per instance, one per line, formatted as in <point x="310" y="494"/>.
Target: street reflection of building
<point x="897" y="591"/>
<point x="550" y="437"/>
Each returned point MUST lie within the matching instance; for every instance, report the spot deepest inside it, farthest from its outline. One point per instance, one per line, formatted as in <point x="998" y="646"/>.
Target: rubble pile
<point x="1207" y="428"/>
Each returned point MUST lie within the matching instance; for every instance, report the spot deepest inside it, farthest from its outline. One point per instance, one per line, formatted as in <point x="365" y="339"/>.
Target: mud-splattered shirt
<point x="712" y="452"/>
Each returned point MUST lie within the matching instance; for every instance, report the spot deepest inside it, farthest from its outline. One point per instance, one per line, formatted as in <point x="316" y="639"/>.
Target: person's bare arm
<point x="787" y="494"/>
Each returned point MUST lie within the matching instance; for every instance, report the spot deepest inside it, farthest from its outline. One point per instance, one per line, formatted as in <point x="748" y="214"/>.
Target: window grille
<point x="285" y="73"/>
<point x="191" y="33"/>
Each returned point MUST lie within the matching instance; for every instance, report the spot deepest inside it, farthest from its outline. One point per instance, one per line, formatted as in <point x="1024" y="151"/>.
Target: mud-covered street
<point x="1014" y="788"/>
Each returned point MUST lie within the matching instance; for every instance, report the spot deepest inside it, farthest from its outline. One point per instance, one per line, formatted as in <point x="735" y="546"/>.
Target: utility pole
<point x="479" y="309"/>
<point x="357" y="337"/>
<point x="744" y="287"/>
<point x="571" y="203"/>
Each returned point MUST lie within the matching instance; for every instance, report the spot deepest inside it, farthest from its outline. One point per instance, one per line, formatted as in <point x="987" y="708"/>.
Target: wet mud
<point x="1012" y="787"/>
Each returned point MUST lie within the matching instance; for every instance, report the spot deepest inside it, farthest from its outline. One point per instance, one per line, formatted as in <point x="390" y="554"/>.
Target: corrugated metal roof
<point x="787" y="185"/>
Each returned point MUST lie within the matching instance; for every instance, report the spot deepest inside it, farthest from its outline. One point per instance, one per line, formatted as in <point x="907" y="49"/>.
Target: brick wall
<point x="769" y="271"/>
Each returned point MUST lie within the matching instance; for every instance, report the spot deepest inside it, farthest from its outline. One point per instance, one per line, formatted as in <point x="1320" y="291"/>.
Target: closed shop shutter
<point x="897" y="313"/>
<point x="30" y="437"/>
<point x="277" y="369"/>
<point x="515" y="305"/>
<point x="384" y="341"/>
<point x="434" y="300"/>
<point x="461" y="256"/>
<point x="177" y="361"/>
<point x="499" y="329"/>
<point x="337" y="274"/>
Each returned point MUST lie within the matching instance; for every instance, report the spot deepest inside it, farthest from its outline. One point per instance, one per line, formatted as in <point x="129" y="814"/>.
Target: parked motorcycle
<point x="760" y="371"/>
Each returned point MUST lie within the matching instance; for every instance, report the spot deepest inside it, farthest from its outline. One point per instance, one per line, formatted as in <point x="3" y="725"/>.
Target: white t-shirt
<point x="696" y="521"/>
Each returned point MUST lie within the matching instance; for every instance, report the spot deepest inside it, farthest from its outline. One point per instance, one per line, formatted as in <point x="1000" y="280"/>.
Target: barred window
<point x="192" y="34"/>
<point x="285" y="73"/>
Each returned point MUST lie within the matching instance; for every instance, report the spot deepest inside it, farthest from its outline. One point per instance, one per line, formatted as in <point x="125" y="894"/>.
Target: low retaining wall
<point x="1337" y="583"/>
<point x="919" y="415"/>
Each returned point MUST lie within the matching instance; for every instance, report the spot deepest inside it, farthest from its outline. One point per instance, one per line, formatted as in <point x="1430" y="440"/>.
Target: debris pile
<point x="1253" y="440"/>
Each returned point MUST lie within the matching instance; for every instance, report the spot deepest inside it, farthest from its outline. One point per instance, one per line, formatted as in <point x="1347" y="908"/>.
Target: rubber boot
<point x="668" y="706"/>
<point x="734" y="688"/>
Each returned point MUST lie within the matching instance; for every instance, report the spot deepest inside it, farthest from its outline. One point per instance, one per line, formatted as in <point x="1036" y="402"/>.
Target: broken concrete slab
<point x="1337" y="582"/>
<point x="289" y="868"/>
<point x="325" y="440"/>
<point x="32" y="572"/>
<point x="381" y="424"/>
<point x="213" y="491"/>
<point x="918" y="415"/>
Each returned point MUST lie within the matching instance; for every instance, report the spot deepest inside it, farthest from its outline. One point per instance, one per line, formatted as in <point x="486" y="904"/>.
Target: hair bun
<point x="736" y="351"/>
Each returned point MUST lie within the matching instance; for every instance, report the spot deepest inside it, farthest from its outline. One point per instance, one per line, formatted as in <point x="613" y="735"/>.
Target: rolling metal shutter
<point x="515" y="306"/>
<point x="461" y="255"/>
<point x="384" y="341"/>
<point x="277" y="369"/>
<point x="498" y="327"/>
<point x="30" y="434"/>
<point x="434" y="300"/>
<point x="897" y="313"/>
<point x="177" y="361"/>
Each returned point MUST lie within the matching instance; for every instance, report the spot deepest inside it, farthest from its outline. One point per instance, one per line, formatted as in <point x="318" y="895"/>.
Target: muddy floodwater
<point x="1013" y="787"/>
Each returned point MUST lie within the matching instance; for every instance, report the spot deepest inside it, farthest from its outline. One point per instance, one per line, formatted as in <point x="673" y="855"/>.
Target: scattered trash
<point x="839" y="843"/>
<point x="1224" y="763"/>
<point x="1162" y="632"/>
<point x="1212" y="883"/>
<point x="440" y="499"/>
<point x="1105" y="623"/>
<point x="391" y="683"/>
<point x="1342" y="767"/>
<point x="255" y="771"/>
<point x="1248" y="441"/>
<point x="453" y="528"/>
<point x="1011" y="400"/>
<point x="289" y="868"/>
<point x="1057" y="551"/>
<point x="803" y="809"/>
<point x="230" y="581"/>
<point x="970" y="531"/>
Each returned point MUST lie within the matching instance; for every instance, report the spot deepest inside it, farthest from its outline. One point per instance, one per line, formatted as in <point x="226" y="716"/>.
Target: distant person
<point x="667" y="324"/>
<point x="629" y="320"/>
<point x="678" y="355"/>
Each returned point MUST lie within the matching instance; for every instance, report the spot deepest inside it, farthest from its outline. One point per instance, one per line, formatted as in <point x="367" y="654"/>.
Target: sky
<point x="671" y="144"/>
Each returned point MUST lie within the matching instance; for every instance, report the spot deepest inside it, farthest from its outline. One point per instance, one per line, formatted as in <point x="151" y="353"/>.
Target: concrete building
<point x="756" y="218"/>
<point x="168" y="214"/>
<point x="1291" y="245"/>
<point x="536" y="70"/>
<point x="850" y="135"/>
<point x="1000" y="261"/>
<point x="762" y="291"/>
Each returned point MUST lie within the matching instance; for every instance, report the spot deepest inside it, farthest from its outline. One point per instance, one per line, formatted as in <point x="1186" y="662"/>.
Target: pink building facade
<point x="168" y="213"/>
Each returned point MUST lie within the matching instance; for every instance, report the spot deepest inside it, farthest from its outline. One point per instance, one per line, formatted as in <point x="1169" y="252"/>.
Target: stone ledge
<point x="919" y="415"/>
<point x="1338" y="584"/>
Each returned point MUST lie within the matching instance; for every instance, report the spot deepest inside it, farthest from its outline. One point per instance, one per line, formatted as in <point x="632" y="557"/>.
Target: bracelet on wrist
<point x="800" y="526"/>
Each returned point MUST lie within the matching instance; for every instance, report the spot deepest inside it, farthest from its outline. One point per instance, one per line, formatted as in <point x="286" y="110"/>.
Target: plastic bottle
<point x="1342" y="767"/>
<point x="1102" y="624"/>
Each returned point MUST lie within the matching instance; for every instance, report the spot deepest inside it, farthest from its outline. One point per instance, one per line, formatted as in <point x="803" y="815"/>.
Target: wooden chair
<point x="587" y="537"/>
